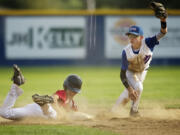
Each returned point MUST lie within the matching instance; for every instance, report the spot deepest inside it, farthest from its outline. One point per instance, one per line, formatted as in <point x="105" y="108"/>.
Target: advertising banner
<point x="45" y="37"/>
<point x="117" y="26"/>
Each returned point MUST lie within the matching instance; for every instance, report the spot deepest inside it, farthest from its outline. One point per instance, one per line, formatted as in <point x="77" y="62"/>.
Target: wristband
<point x="163" y="25"/>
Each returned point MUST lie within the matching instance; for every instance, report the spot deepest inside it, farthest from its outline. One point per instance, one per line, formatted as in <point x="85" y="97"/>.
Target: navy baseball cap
<point x="135" y="30"/>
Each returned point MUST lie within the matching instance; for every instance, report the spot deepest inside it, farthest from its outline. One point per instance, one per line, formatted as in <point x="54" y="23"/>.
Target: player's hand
<point x="163" y="19"/>
<point x="55" y="97"/>
<point x="133" y="95"/>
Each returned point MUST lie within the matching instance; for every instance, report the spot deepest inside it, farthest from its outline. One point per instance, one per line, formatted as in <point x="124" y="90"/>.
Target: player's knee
<point x="139" y="87"/>
<point x="6" y="113"/>
<point x="51" y="112"/>
<point x="125" y="101"/>
<point x="2" y="112"/>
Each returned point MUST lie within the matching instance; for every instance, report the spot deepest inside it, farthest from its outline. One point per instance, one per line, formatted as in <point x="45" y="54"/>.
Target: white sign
<point x="116" y="27"/>
<point x="45" y="37"/>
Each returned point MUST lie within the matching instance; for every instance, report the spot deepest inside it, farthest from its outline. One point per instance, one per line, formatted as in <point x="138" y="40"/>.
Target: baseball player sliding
<point x="43" y="106"/>
<point x="136" y="58"/>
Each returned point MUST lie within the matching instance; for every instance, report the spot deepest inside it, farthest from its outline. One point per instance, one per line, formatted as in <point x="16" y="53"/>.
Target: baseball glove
<point x="42" y="100"/>
<point x="159" y="10"/>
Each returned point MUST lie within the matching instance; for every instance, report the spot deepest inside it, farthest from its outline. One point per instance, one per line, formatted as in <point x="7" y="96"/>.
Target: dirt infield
<point x="139" y="126"/>
<point x="168" y="123"/>
<point x="154" y="122"/>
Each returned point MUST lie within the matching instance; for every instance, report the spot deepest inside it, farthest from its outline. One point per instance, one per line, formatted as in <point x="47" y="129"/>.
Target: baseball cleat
<point x="134" y="113"/>
<point x="42" y="100"/>
<point x="18" y="77"/>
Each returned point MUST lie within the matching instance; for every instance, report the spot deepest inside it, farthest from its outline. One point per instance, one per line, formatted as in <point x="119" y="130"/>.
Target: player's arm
<point x="55" y="97"/>
<point x="124" y="67"/>
<point x="153" y="41"/>
<point x="132" y="93"/>
<point x="124" y="78"/>
<point x="163" y="29"/>
<point x="161" y="13"/>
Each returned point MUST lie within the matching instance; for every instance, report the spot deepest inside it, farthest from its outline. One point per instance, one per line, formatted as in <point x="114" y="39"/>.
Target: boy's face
<point x="70" y="94"/>
<point x="135" y="40"/>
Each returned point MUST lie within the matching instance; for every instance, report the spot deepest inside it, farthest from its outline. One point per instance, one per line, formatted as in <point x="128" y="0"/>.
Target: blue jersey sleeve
<point x="124" y="64"/>
<point x="151" y="42"/>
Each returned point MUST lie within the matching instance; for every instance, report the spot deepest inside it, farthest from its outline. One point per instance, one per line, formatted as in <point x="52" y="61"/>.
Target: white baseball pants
<point x="30" y="110"/>
<point x="135" y="80"/>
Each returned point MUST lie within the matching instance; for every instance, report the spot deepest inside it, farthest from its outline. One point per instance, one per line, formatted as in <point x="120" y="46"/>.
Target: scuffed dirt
<point x="152" y="122"/>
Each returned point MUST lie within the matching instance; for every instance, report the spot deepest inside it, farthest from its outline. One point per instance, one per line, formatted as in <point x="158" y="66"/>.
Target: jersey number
<point x="146" y="58"/>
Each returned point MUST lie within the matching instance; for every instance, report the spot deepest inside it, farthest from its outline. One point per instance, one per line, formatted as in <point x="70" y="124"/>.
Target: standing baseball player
<point x="136" y="58"/>
<point x="43" y="104"/>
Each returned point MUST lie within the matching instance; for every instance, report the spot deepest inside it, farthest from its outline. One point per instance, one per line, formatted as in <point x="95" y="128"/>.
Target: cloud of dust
<point x="157" y="111"/>
<point x="100" y="112"/>
<point x="147" y="110"/>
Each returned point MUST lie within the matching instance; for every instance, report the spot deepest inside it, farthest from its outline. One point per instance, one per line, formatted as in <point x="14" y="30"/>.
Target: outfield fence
<point x="32" y="37"/>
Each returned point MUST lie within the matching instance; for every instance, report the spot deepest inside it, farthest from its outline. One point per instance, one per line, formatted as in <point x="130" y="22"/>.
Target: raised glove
<point x="159" y="10"/>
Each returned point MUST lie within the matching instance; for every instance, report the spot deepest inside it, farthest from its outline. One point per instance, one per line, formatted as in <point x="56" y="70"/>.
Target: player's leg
<point x="122" y="100"/>
<point x="45" y="103"/>
<point x="30" y="110"/>
<point x="44" y="110"/>
<point x="49" y="111"/>
<point x="5" y="110"/>
<point x="139" y="85"/>
<point x="11" y="97"/>
<point x="15" y="91"/>
<point x="136" y="81"/>
<point x="13" y="94"/>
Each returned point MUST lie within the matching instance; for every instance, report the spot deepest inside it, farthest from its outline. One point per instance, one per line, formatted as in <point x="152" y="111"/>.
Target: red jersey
<point x="62" y="96"/>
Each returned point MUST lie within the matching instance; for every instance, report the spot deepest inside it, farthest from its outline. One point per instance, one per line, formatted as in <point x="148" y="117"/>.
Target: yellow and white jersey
<point x="138" y="62"/>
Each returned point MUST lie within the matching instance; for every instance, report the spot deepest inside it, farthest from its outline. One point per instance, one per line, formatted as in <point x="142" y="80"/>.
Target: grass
<point x="50" y="130"/>
<point x="100" y="85"/>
